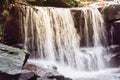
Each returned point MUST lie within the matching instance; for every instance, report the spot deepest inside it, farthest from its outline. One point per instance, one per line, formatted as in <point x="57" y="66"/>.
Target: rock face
<point x="114" y="55"/>
<point x="111" y="13"/>
<point x="11" y="62"/>
<point x="12" y="31"/>
<point x="112" y="19"/>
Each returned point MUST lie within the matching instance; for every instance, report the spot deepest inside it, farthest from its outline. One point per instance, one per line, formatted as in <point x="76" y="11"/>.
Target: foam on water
<point x="106" y="74"/>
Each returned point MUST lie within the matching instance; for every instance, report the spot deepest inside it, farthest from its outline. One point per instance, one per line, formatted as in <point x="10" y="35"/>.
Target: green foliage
<point x="56" y="3"/>
<point x="4" y="13"/>
<point x="88" y="0"/>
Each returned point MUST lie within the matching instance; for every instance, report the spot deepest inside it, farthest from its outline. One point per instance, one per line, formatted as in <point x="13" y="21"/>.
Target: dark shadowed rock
<point x="27" y="75"/>
<point x="114" y="55"/>
<point x="12" y="32"/>
<point x="112" y="19"/>
<point x="115" y="33"/>
<point x="114" y="48"/>
<point x="113" y="30"/>
<point x="4" y="76"/>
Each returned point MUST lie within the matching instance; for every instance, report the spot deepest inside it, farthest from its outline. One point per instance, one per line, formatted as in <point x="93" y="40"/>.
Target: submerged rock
<point x="11" y="62"/>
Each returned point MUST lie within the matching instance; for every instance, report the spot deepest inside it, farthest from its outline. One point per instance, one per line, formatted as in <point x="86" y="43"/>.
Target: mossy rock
<point x="11" y="59"/>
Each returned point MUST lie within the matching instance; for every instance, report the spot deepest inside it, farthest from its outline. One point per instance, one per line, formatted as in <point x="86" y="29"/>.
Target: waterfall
<point x="50" y="34"/>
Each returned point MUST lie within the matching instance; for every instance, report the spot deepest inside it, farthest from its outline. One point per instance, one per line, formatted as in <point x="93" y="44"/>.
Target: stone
<point x="114" y="56"/>
<point x="27" y="75"/>
<point x="44" y="73"/>
<point x="4" y="76"/>
<point x="113" y="30"/>
<point x="116" y="31"/>
<point x="111" y="13"/>
<point x="114" y="49"/>
<point x="111" y="16"/>
<point x="12" y="32"/>
<point x="11" y="62"/>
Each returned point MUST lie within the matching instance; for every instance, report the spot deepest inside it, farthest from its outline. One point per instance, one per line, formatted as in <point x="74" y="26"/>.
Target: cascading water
<point x="51" y="35"/>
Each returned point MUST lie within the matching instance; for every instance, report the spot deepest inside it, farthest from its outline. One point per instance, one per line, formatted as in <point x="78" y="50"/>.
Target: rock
<point x="114" y="62"/>
<point x="44" y="73"/>
<point x="113" y="30"/>
<point x="27" y="75"/>
<point x="11" y="62"/>
<point x="111" y="13"/>
<point x="114" y="49"/>
<point x="116" y="31"/>
<point x="23" y="75"/>
<point x="112" y="20"/>
<point x="59" y="3"/>
<point x="114" y="56"/>
<point x="12" y="31"/>
<point x="4" y="76"/>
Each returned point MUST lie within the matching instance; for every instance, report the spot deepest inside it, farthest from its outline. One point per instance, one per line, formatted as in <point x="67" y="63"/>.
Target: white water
<point x="51" y="35"/>
<point x="107" y="74"/>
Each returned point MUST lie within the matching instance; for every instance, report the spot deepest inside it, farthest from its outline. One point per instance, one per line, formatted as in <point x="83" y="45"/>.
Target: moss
<point x="11" y="49"/>
<point x="11" y="59"/>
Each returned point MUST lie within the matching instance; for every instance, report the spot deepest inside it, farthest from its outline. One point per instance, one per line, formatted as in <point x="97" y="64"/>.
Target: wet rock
<point x="113" y="30"/>
<point x="114" y="49"/>
<point x="115" y="60"/>
<point x="80" y="23"/>
<point x="44" y="73"/>
<point x="112" y="20"/>
<point x="11" y="62"/>
<point x="114" y="56"/>
<point x="27" y="75"/>
<point x="116" y="31"/>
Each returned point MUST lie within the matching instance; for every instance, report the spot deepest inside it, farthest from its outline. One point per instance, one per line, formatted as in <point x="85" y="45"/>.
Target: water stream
<point x="51" y="35"/>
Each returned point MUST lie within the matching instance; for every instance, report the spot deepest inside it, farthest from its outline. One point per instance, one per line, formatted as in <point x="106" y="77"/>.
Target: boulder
<point x="27" y="75"/>
<point x="4" y="76"/>
<point x="113" y="56"/>
<point x="111" y="13"/>
<point x="44" y="73"/>
<point x="114" y="49"/>
<point x="11" y="62"/>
